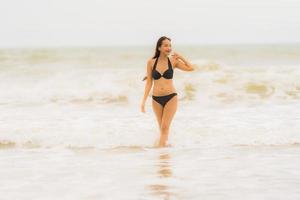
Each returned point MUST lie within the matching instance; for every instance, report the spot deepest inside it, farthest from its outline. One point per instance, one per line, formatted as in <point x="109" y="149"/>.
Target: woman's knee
<point x="164" y="128"/>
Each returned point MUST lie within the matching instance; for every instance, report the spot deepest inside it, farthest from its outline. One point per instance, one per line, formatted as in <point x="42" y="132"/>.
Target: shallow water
<point x="70" y="125"/>
<point x="248" y="172"/>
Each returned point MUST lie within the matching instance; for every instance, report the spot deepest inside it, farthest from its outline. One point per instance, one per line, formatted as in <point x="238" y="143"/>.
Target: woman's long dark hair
<point x="157" y="52"/>
<point x="158" y="44"/>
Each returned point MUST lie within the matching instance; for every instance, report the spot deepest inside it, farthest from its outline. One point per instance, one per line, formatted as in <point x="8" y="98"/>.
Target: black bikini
<point x="168" y="74"/>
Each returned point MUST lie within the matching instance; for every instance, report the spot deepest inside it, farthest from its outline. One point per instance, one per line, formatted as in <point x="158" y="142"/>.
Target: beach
<point x="71" y="126"/>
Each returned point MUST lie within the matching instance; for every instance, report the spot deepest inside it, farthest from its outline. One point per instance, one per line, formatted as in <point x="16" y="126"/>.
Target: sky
<point x="41" y="23"/>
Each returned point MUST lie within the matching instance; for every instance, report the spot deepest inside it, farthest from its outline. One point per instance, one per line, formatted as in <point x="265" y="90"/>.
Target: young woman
<point x="164" y="99"/>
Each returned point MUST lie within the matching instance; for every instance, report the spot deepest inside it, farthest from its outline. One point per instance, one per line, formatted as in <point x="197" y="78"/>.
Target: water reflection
<point x="164" y="172"/>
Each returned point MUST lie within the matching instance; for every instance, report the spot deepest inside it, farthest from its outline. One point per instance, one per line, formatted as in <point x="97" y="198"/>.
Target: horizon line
<point x="144" y="45"/>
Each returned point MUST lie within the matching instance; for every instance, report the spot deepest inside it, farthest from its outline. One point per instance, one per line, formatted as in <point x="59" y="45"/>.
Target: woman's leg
<point x="167" y="116"/>
<point x="157" y="108"/>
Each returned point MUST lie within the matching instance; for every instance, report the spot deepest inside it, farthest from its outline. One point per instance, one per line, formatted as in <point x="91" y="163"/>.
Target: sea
<point x="71" y="125"/>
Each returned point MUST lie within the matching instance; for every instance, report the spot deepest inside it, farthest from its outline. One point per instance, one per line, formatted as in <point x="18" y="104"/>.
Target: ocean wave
<point x="29" y="144"/>
<point x="95" y="76"/>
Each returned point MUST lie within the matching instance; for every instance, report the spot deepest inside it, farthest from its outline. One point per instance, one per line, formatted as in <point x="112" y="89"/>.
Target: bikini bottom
<point x="162" y="100"/>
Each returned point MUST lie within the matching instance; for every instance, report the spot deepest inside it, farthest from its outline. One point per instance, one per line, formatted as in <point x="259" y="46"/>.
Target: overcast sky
<point x="133" y="22"/>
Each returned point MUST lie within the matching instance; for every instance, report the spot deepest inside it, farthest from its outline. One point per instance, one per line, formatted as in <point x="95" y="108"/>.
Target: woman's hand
<point x="176" y="56"/>
<point x="183" y="64"/>
<point x="143" y="107"/>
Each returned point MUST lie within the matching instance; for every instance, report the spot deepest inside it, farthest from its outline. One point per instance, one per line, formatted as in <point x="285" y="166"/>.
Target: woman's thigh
<point x="158" y="110"/>
<point x="169" y="112"/>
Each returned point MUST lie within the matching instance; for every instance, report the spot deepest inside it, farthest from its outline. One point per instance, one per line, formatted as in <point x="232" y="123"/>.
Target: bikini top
<point x="168" y="74"/>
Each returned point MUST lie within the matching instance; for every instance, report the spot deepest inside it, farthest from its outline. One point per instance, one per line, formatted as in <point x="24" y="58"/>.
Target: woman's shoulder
<point x="150" y="63"/>
<point x="150" y="60"/>
<point x="173" y="61"/>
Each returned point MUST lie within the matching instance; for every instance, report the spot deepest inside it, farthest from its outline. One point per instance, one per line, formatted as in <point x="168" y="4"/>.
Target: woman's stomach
<point x="160" y="89"/>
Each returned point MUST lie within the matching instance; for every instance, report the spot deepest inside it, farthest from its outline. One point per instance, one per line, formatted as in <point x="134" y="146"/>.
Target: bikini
<point x="168" y="74"/>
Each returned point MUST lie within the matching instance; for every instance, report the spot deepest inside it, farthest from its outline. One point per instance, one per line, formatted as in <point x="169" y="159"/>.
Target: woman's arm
<point x="182" y="63"/>
<point x="148" y="85"/>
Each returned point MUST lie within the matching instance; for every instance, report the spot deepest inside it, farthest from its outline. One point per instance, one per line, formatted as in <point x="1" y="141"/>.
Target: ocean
<point x="71" y="126"/>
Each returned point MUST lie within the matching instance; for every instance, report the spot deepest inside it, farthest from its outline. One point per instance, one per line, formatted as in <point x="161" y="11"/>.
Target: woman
<point x="164" y="98"/>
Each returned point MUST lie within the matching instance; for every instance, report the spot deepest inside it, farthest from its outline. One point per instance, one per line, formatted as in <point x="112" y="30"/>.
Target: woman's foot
<point x="164" y="145"/>
<point x="168" y="145"/>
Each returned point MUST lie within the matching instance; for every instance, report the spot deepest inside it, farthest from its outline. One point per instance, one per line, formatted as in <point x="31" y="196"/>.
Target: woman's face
<point x="166" y="47"/>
